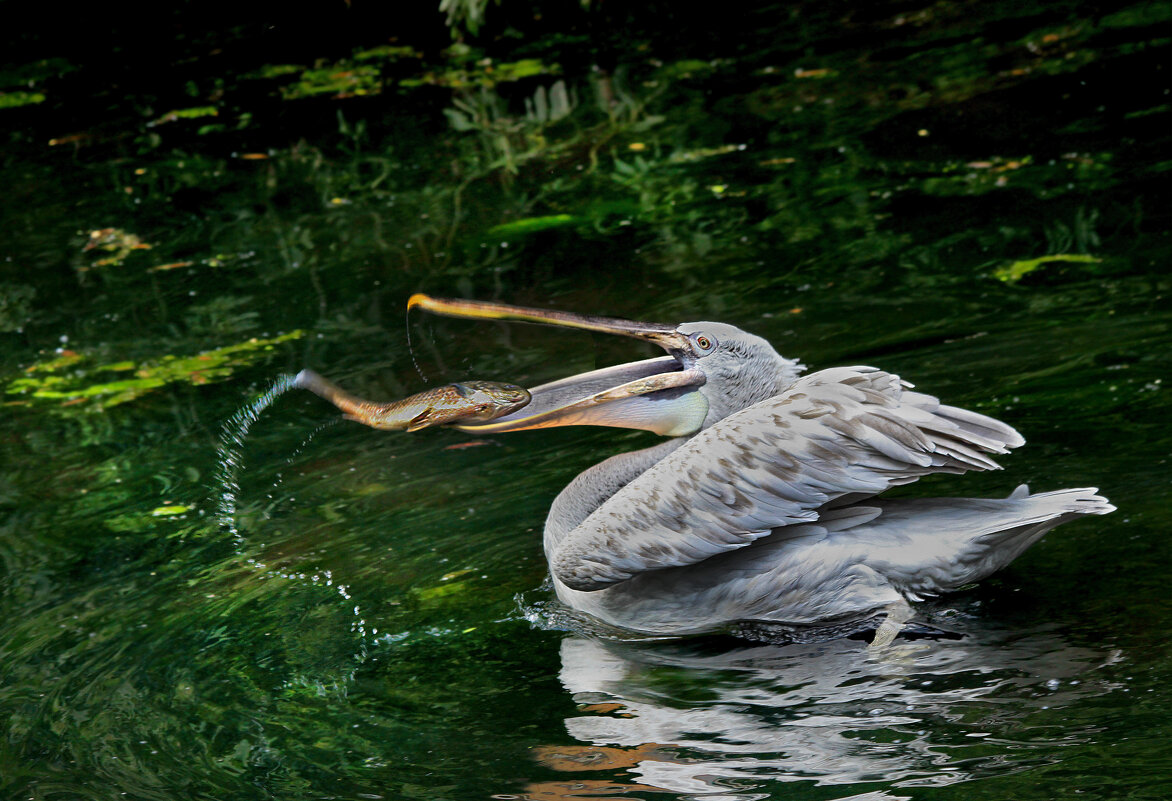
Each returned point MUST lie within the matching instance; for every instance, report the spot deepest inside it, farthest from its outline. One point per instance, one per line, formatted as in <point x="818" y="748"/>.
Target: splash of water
<point x="231" y="449"/>
<point x="547" y="615"/>
<point x="234" y="432"/>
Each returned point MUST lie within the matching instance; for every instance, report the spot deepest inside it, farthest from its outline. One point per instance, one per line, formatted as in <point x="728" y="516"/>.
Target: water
<point x="231" y="452"/>
<point x="308" y="608"/>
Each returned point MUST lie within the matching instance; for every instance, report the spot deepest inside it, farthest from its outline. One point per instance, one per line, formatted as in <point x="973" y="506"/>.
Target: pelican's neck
<point x="748" y="371"/>
<point x="744" y="369"/>
<point x="734" y="385"/>
<point x="594" y="486"/>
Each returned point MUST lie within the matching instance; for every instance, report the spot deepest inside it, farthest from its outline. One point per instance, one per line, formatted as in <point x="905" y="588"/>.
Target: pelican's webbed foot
<point x="898" y="613"/>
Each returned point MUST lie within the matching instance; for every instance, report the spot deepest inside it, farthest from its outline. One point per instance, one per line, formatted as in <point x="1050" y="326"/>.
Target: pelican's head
<point x="740" y="368"/>
<point x="711" y="371"/>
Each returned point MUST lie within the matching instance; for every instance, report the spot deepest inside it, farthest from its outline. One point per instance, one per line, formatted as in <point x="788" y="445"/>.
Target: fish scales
<point x="458" y="402"/>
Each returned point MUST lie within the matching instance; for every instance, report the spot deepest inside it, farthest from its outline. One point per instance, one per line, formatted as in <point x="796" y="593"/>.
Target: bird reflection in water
<point x="732" y="722"/>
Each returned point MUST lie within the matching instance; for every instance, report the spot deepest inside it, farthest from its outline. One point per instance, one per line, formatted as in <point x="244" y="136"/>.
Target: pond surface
<point x="973" y="195"/>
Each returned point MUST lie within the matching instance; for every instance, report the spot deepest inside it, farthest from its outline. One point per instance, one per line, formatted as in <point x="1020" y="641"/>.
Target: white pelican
<point x="760" y="509"/>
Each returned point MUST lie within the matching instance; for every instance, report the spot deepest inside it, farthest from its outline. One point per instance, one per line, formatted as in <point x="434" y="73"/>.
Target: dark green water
<point x="345" y="613"/>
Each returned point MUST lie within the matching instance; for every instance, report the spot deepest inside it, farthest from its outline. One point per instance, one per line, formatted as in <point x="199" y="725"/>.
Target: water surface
<point x="975" y="196"/>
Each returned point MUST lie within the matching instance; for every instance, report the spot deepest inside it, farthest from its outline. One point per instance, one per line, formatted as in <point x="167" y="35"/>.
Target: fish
<point x="463" y="401"/>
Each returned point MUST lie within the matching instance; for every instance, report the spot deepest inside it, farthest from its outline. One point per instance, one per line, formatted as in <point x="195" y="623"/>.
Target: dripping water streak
<point x="411" y="350"/>
<point x="318" y="575"/>
<point x="279" y="480"/>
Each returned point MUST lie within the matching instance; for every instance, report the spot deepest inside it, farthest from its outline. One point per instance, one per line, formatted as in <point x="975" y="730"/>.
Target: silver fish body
<point x="464" y="401"/>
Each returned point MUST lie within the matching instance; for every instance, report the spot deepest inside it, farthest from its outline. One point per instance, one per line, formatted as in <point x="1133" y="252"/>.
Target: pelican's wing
<point x="844" y="431"/>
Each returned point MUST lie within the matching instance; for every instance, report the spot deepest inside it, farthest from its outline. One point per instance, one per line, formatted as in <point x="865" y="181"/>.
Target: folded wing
<point x="844" y="431"/>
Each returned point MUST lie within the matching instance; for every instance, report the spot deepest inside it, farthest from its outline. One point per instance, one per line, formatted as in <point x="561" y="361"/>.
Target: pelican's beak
<point x="657" y="395"/>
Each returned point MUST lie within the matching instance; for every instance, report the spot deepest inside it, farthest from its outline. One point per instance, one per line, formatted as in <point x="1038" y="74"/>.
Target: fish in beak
<point x="659" y="395"/>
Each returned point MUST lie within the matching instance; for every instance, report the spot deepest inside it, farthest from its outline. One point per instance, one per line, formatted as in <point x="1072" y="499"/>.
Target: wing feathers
<point x="844" y="431"/>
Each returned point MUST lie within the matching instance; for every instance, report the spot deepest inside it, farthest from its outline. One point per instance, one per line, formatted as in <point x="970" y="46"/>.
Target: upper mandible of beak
<point x="666" y="336"/>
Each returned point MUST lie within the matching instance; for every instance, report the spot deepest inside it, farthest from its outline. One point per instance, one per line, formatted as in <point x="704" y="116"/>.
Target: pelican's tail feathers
<point x="929" y="546"/>
<point x="1072" y="502"/>
<point x="1036" y="515"/>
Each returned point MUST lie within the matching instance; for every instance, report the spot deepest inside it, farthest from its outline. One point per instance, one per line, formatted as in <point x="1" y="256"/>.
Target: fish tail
<point x="354" y="408"/>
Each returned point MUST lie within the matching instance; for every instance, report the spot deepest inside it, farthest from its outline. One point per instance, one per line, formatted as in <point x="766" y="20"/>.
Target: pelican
<point x="760" y="508"/>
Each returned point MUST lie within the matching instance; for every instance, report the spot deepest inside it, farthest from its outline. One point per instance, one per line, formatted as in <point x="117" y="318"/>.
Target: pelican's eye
<point x="703" y="342"/>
